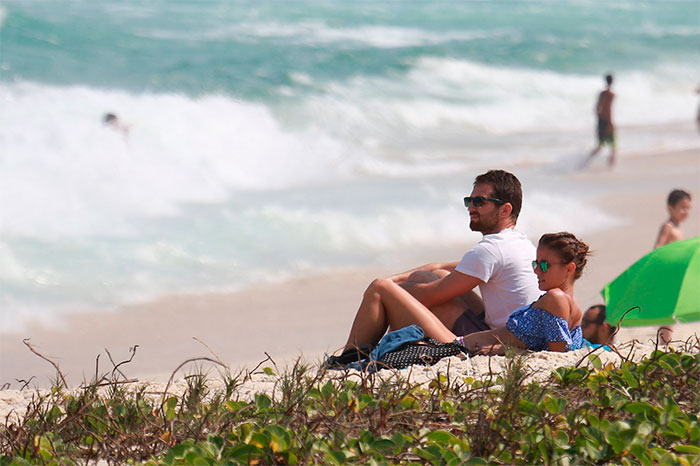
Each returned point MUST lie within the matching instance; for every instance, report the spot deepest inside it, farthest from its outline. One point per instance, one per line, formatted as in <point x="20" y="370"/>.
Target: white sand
<point x="311" y="316"/>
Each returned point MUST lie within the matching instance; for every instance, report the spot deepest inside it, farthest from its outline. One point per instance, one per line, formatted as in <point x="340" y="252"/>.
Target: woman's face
<point x="557" y="272"/>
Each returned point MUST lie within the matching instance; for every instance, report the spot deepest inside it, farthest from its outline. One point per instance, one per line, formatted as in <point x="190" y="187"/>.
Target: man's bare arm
<point x="402" y="277"/>
<point x="444" y="289"/>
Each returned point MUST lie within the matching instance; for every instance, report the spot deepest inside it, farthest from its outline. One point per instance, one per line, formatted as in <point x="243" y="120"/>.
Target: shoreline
<point x="309" y="316"/>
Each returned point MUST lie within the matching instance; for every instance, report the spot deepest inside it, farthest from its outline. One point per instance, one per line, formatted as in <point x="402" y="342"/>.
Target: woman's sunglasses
<point x="478" y="201"/>
<point x="544" y="265"/>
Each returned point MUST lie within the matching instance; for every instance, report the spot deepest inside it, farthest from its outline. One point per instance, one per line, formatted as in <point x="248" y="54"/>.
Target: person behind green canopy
<point x="595" y="329"/>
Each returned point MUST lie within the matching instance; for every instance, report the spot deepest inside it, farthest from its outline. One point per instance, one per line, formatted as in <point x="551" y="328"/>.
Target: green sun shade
<point x="665" y="284"/>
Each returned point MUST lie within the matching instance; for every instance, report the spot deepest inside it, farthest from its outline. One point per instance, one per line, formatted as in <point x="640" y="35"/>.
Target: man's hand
<point x="494" y="350"/>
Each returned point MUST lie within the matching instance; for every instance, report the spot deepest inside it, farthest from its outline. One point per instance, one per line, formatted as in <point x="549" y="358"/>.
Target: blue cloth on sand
<point x="388" y="343"/>
<point x="535" y="327"/>
<point x="595" y="345"/>
<point x="394" y="339"/>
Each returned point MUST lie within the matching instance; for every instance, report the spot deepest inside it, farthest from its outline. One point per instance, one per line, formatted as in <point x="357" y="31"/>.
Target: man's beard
<point x="483" y="224"/>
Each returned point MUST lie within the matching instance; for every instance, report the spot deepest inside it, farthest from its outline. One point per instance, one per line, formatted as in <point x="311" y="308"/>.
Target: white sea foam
<point x="503" y="100"/>
<point x="319" y="33"/>
<point x="448" y="113"/>
<point x="66" y="173"/>
<point x="546" y="212"/>
<point x="658" y="32"/>
<point x="385" y="36"/>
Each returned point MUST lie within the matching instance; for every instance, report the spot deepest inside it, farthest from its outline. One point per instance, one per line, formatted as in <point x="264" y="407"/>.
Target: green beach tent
<point x="664" y="284"/>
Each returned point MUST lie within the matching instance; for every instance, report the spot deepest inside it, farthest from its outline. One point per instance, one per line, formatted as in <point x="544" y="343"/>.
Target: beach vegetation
<point x="643" y="412"/>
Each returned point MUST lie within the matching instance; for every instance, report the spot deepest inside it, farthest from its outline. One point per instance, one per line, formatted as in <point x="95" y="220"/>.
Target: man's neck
<point x="500" y="228"/>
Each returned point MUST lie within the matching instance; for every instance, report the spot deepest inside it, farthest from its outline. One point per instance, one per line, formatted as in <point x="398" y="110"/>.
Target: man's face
<point x="485" y="218"/>
<point x="589" y="327"/>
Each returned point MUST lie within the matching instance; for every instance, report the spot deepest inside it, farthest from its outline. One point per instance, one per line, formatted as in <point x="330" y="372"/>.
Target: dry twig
<point x="58" y="371"/>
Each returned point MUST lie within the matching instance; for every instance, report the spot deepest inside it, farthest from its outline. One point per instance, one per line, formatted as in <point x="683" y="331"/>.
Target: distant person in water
<point x="111" y="120"/>
<point x="678" y="205"/>
<point x="606" y="129"/>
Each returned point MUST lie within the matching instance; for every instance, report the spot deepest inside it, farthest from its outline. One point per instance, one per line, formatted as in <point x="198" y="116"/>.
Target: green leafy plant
<point x="634" y="413"/>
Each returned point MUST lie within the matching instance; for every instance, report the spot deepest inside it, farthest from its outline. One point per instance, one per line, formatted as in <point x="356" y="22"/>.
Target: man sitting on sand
<point x="552" y="322"/>
<point x="500" y="265"/>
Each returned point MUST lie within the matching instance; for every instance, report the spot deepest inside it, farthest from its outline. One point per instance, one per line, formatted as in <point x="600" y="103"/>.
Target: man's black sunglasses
<point x="478" y="201"/>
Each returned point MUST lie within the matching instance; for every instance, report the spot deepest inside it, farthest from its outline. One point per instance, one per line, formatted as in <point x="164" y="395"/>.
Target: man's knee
<point x="423" y="276"/>
<point x="472" y="301"/>
<point x="377" y="285"/>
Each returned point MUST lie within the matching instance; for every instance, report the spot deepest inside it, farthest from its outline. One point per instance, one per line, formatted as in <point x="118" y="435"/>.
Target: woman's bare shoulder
<point x="556" y="302"/>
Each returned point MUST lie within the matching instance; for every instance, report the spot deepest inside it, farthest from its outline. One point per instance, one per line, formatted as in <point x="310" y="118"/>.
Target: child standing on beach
<point x="678" y="205"/>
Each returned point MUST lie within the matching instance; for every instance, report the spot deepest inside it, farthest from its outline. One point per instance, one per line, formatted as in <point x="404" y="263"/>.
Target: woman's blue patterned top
<point x="536" y="327"/>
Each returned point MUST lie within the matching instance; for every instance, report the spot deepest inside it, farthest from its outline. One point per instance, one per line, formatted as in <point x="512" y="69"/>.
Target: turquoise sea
<point x="273" y="139"/>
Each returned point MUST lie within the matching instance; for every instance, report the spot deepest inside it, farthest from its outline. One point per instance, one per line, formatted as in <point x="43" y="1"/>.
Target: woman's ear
<point x="571" y="267"/>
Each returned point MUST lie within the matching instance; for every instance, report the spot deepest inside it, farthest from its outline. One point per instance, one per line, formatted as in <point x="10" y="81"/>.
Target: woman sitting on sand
<point x="553" y="322"/>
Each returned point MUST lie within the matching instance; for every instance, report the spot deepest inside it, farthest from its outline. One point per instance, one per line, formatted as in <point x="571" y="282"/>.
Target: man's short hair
<point x="506" y="187"/>
<point x="600" y="318"/>
<point x="676" y="196"/>
<point x="609" y="79"/>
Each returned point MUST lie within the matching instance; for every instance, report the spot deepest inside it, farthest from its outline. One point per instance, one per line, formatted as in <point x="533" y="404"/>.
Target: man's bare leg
<point x="370" y="321"/>
<point x="449" y="312"/>
<point x="590" y="157"/>
<point x="387" y="305"/>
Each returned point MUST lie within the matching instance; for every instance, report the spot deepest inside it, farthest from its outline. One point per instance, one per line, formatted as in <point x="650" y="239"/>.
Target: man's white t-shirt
<point x="503" y="261"/>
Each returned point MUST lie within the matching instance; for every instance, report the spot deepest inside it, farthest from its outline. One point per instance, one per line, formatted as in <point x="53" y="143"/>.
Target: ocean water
<point x="274" y="139"/>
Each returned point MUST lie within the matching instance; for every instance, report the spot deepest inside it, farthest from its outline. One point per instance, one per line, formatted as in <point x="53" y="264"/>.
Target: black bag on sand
<point x="349" y="356"/>
<point x="425" y="352"/>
